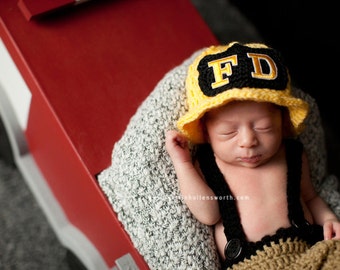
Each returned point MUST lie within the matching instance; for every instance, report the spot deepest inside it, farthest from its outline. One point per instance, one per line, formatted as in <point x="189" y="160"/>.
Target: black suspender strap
<point x="294" y="163"/>
<point x="231" y="221"/>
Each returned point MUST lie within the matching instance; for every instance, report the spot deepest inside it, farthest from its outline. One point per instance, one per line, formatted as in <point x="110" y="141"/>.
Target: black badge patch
<point x="241" y="66"/>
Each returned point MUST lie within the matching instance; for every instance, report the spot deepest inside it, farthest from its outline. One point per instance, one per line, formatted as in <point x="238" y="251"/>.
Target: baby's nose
<point x="247" y="137"/>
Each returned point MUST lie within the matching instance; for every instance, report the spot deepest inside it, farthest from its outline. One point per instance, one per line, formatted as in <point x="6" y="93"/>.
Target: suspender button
<point x="300" y="225"/>
<point x="233" y="249"/>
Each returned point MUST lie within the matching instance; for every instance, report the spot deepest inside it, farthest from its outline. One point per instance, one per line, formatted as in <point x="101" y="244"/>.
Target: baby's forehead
<point x="245" y="106"/>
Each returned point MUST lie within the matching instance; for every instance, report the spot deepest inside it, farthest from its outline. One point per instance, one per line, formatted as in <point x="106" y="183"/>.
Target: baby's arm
<point x="320" y="211"/>
<point x="195" y="191"/>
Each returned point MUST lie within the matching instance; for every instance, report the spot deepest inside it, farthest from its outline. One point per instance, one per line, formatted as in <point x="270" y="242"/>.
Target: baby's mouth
<point x="252" y="159"/>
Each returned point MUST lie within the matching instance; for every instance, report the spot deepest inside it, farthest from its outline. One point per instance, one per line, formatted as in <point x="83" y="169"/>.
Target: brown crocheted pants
<point x="295" y="255"/>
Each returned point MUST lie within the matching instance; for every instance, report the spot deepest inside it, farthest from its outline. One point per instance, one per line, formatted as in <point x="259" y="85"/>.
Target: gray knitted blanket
<point x="141" y="182"/>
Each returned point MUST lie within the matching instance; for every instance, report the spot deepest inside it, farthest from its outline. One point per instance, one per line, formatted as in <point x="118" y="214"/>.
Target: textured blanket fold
<point x="141" y="183"/>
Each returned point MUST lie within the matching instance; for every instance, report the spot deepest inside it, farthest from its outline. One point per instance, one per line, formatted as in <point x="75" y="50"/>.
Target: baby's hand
<point x="331" y="229"/>
<point x="177" y="146"/>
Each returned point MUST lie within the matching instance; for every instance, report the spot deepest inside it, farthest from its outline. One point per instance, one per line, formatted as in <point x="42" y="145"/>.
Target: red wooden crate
<point x="88" y="67"/>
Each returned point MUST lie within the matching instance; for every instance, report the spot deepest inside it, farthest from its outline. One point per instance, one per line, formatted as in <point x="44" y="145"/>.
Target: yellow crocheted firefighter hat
<point x="221" y="74"/>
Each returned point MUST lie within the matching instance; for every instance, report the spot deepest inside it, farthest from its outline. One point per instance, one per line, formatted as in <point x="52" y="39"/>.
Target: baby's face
<point x="245" y="133"/>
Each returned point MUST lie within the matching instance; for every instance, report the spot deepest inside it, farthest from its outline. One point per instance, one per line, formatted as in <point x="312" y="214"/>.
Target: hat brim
<point x="189" y="123"/>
